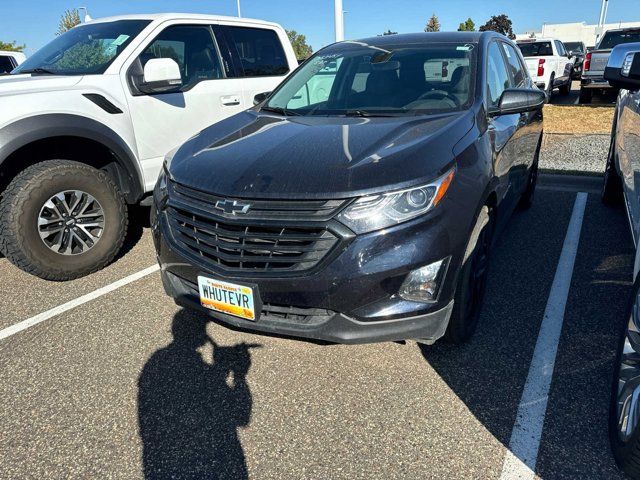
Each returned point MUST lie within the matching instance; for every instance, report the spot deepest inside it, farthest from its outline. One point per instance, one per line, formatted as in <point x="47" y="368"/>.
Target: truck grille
<point x="250" y="245"/>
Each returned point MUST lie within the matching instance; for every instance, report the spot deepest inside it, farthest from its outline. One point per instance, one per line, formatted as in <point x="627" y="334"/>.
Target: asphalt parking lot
<point x="127" y="384"/>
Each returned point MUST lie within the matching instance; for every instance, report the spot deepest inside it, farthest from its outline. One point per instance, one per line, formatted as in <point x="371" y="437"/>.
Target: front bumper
<point x="357" y="289"/>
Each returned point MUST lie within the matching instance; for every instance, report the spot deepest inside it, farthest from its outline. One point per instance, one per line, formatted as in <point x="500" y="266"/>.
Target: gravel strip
<point x="584" y="154"/>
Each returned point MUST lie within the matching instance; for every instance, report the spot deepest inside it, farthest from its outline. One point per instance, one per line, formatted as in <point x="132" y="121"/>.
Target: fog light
<point x="423" y="284"/>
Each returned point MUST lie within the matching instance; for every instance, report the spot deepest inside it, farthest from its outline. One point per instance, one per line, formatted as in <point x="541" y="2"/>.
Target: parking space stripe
<point x="520" y="460"/>
<point x="30" y="322"/>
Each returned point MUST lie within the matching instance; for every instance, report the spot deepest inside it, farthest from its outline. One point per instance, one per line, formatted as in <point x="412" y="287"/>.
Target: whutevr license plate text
<point x="227" y="297"/>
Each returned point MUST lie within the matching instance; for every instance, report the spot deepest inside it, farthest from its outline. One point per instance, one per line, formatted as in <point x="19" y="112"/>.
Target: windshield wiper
<point x="280" y="110"/>
<point x="366" y="113"/>
<point x="38" y="70"/>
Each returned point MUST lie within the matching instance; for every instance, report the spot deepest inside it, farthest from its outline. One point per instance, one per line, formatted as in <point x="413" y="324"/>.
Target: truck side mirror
<point x="260" y="97"/>
<point x="623" y="67"/>
<point x="161" y="75"/>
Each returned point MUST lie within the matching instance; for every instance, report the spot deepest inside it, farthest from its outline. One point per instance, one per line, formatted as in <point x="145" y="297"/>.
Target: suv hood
<point x="260" y="155"/>
<point x="22" y="84"/>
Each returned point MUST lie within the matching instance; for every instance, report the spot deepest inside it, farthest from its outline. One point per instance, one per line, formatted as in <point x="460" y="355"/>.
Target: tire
<point x="526" y="200"/>
<point x="566" y="88"/>
<point x="612" y="184"/>
<point x="86" y="240"/>
<point x="472" y="282"/>
<point x="549" y="90"/>
<point x="625" y="443"/>
<point x="586" y="96"/>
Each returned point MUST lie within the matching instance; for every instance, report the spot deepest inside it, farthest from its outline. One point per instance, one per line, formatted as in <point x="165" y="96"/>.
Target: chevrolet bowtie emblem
<point x="232" y="207"/>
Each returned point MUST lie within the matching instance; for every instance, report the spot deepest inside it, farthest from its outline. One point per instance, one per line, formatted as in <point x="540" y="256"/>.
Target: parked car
<point x="595" y="61"/>
<point x="367" y="215"/>
<point x="549" y="64"/>
<point x="621" y="186"/>
<point x="86" y="121"/>
<point x="10" y="60"/>
<point x="577" y="50"/>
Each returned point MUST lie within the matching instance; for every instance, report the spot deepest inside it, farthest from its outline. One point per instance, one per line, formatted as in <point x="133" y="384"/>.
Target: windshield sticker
<point x="464" y="48"/>
<point x="120" y="40"/>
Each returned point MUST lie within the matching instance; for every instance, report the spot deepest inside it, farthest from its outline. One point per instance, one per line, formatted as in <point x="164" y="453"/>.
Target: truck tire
<point x="586" y="96"/>
<point x="61" y="220"/>
<point x="549" y="90"/>
<point x="472" y="281"/>
<point x="566" y="88"/>
<point x="612" y="183"/>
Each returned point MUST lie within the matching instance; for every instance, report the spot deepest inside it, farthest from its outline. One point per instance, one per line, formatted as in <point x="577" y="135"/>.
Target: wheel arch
<point x="45" y="137"/>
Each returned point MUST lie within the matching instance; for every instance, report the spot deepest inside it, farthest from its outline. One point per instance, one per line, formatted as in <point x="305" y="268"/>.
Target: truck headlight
<point x="423" y="284"/>
<point x="384" y="210"/>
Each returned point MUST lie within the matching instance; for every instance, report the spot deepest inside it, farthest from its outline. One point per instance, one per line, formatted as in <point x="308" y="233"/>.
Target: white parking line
<point x="521" y="457"/>
<point x="30" y="322"/>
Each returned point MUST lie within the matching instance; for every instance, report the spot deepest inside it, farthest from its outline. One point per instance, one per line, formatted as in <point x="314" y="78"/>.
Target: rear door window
<point x="6" y="64"/>
<point x="259" y="51"/>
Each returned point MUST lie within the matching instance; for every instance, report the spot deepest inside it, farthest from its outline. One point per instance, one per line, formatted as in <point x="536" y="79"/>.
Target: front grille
<point x="296" y="315"/>
<point x="247" y="245"/>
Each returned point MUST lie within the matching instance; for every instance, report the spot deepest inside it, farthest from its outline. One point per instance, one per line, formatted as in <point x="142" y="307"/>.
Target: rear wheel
<point x="472" y="281"/>
<point x="586" y="95"/>
<point x="624" y="413"/>
<point x="61" y="220"/>
<point x="612" y="183"/>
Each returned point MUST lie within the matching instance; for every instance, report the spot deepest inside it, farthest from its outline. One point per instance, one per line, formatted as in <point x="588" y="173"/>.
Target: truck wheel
<point x="61" y="220"/>
<point x="566" y="88"/>
<point x="624" y="431"/>
<point x="586" y="96"/>
<point x="472" y="281"/>
<point x="612" y="183"/>
<point x="549" y="90"/>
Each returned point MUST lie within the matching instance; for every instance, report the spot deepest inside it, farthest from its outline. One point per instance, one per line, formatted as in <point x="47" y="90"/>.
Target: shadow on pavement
<point x="189" y="411"/>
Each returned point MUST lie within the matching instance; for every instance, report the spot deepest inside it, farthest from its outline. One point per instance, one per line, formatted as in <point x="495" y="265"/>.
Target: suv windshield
<point x="357" y="79"/>
<point x="536" y="49"/>
<point x="85" y="49"/>
<point x="574" y="47"/>
<point x="611" y="39"/>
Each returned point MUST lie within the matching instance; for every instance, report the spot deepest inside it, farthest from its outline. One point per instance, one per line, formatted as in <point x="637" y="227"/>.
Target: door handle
<point x="230" y="100"/>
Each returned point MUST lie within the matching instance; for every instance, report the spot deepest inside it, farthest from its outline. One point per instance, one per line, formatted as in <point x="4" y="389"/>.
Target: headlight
<point x="380" y="211"/>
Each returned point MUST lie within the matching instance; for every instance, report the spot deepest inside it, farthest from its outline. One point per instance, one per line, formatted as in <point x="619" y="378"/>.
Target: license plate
<point x="225" y="297"/>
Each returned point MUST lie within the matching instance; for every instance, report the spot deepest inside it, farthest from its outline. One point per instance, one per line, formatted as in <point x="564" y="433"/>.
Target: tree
<point x="68" y="20"/>
<point x="299" y="44"/>
<point x="467" y="26"/>
<point x="433" y="25"/>
<point x="389" y="32"/>
<point x="501" y="24"/>
<point x="11" y="46"/>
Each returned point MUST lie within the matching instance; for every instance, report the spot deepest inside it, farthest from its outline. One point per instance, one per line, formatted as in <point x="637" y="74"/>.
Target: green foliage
<point x="83" y="56"/>
<point x="433" y="25"/>
<point x="389" y="32"/>
<point x="300" y="46"/>
<point x="501" y="24"/>
<point x="11" y="46"/>
<point x="467" y="26"/>
<point x="68" y="20"/>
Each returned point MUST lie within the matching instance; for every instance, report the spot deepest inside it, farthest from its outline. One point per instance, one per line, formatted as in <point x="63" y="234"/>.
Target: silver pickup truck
<point x="596" y="60"/>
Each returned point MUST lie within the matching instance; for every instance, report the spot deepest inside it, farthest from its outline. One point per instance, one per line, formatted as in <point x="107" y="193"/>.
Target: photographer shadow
<point x="189" y="411"/>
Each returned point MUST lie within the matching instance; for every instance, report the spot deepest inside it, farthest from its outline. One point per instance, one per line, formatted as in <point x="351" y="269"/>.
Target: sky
<point x="34" y="22"/>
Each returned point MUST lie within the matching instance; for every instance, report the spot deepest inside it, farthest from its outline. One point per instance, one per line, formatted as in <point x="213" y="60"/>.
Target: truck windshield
<point x="574" y="47"/>
<point x="611" y="39"/>
<point x="357" y="79"/>
<point x="85" y="49"/>
<point x="536" y="49"/>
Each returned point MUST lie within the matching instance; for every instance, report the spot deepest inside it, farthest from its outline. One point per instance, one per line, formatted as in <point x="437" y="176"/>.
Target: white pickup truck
<point x="549" y="63"/>
<point x="10" y="60"/>
<point x="85" y="124"/>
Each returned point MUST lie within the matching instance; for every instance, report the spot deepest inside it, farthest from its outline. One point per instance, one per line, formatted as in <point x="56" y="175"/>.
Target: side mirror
<point x="261" y="97"/>
<point x="623" y="67"/>
<point x="161" y="75"/>
<point x="519" y="100"/>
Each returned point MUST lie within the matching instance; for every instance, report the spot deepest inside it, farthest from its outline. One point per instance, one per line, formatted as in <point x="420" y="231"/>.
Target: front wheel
<point x="566" y="88"/>
<point x="472" y="281"/>
<point x="61" y="220"/>
<point x="612" y="183"/>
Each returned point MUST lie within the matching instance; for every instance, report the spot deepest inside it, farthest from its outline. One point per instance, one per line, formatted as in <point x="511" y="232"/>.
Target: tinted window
<point x="193" y="50"/>
<point x="260" y="51"/>
<point x="536" y="49"/>
<point x="497" y="75"/>
<point x="85" y="49"/>
<point x="574" y="47"/>
<point x="611" y="39"/>
<point x="515" y="66"/>
<point x="6" y="65"/>
<point x="369" y="80"/>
